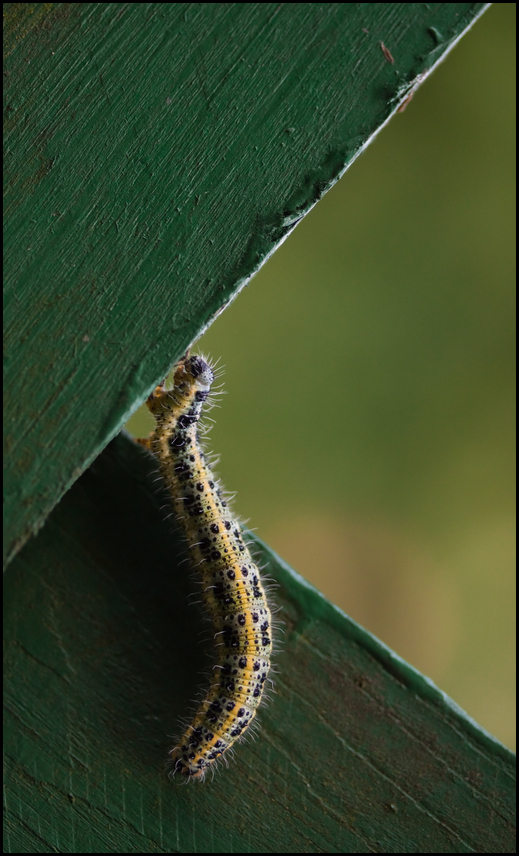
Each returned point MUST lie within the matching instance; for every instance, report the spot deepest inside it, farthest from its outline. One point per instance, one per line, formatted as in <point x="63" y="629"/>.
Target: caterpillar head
<point x="198" y="369"/>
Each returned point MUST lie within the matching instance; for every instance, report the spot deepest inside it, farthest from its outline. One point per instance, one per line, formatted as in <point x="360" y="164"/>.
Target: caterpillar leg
<point x="151" y="403"/>
<point x="143" y="441"/>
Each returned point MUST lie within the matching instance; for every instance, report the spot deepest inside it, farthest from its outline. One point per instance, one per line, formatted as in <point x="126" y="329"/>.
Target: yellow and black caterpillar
<point x="232" y="588"/>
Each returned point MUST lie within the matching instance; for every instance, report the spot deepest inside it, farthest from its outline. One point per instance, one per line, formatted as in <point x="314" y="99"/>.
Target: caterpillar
<point x="232" y="589"/>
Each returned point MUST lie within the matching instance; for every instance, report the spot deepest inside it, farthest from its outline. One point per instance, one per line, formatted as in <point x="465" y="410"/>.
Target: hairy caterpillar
<point x="232" y="588"/>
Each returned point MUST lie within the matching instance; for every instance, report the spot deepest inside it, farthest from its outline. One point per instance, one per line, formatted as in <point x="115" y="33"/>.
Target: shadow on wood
<point x="356" y="752"/>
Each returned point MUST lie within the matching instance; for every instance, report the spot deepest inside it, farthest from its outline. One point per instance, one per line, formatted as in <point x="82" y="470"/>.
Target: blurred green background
<point x="368" y="425"/>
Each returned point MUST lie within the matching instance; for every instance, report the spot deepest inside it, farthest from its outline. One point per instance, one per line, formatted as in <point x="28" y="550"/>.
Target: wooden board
<point x="357" y="752"/>
<point x="155" y="155"/>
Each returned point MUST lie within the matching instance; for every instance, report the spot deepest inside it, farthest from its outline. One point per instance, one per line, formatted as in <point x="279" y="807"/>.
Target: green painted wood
<point x="357" y="752"/>
<point x="106" y="286"/>
<point x="155" y="155"/>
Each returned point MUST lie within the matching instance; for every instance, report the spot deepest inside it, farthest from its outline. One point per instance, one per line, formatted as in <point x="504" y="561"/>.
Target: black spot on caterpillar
<point x="232" y="588"/>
